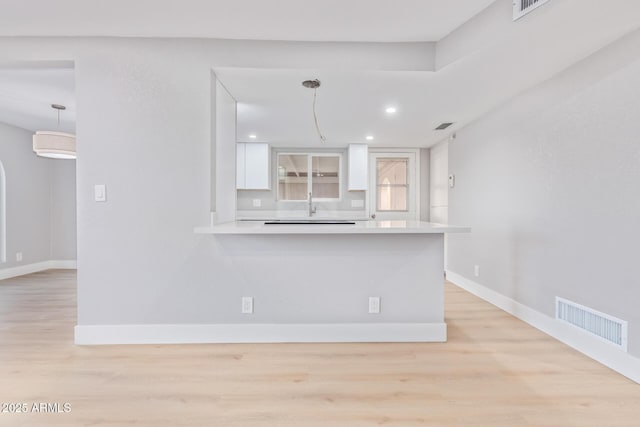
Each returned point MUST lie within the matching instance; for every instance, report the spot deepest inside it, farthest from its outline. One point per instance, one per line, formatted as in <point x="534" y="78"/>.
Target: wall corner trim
<point x="21" y="270"/>
<point x="260" y="333"/>
<point x="601" y="352"/>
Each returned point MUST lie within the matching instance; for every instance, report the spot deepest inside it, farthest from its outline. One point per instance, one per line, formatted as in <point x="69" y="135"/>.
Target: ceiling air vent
<point x="443" y="126"/>
<point x="522" y="7"/>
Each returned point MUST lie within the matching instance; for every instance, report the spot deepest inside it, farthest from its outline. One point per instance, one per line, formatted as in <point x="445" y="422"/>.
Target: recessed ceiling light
<point x="252" y="136"/>
<point x="391" y="110"/>
<point x="369" y="138"/>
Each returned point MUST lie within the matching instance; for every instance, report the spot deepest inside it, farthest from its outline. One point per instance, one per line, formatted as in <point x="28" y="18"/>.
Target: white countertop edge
<point x="369" y="227"/>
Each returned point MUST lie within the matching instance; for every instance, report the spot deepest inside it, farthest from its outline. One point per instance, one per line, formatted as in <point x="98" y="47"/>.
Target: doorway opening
<point x="3" y="215"/>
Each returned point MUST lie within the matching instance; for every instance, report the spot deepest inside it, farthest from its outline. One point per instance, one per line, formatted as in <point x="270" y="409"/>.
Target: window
<point x="392" y="185"/>
<point x="300" y="174"/>
<point x="293" y="176"/>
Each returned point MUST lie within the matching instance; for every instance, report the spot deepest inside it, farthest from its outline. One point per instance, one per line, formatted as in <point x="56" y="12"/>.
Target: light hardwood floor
<point x="494" y="371"/>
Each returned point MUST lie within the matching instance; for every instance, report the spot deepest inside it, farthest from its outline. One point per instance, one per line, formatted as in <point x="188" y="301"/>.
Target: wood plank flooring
<point x="494" y="371"/>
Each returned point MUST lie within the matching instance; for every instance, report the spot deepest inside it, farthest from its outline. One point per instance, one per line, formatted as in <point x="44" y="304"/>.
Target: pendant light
<point x="55" y="145"/>
<point x="315" y="84"/>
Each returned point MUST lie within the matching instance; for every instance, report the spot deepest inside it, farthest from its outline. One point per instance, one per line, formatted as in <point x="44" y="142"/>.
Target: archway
<point x="3" y="215"/>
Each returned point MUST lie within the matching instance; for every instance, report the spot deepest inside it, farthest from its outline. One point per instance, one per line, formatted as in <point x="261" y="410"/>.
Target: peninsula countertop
<point x="358" y="227"/>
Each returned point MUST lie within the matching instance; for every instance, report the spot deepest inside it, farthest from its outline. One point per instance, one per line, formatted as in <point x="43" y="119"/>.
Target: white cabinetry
<point x="358" y="167"/>
<point x="252" y="166"/>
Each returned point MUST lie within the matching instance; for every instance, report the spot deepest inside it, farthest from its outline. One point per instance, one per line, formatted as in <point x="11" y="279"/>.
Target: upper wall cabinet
<point x="252" y="166"/>
<point x="358" y="167"/>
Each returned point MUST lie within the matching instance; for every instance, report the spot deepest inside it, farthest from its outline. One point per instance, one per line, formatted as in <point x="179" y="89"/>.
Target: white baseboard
<point x="67" y="264"/>
<point x="260" y="333"/>
<point x="21" y="270"/>
<point x="602" y="352"/>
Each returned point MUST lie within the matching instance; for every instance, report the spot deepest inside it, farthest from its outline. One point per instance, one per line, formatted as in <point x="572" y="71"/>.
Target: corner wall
<point x="549" y="184"/>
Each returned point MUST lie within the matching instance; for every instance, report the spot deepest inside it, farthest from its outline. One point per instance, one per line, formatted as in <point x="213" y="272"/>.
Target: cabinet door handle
<point x="373" y="216"/>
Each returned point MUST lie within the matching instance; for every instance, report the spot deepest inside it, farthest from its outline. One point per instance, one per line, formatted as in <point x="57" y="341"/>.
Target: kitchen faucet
<point x="312" y="208"/>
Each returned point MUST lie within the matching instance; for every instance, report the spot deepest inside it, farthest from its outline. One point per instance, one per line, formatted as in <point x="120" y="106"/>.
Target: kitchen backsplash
<point x="351" y="201"/>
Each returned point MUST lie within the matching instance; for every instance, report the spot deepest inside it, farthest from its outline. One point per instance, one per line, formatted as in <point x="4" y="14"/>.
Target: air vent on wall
<point x="603" y="326"/>
<point x="443" y="126"/>
<point x="522" y="7"/>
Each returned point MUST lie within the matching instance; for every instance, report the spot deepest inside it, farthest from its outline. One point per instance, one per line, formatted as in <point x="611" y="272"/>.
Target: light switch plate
<point x="247" y="305"/>
<point x="100" y="193"/>
<point x="374" y="305"/>
<point x="18" y="256"/>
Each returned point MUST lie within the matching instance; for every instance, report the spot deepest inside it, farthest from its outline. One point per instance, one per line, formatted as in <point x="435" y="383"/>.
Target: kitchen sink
<point x="308" y="221"/>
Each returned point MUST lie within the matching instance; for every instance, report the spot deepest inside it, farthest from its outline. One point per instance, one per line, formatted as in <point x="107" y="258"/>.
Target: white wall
<point x="425" y="184"/>
<point x="144" y="129"/>
<point x="224" y="147"/>
<point x="549" y="184"/>
<point x="40" y="201"/>
<point x="63" y="210"/>
<point x="28" y="198"/>
<point x="439" y="183"/>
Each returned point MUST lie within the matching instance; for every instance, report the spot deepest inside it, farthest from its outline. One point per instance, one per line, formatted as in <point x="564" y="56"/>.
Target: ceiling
<point x="288" y="20"/>
<point x="494" y="60"/>
<point x="484" y="61"/>
<point x="275" y="107"/>
<point x="26" y="95"/>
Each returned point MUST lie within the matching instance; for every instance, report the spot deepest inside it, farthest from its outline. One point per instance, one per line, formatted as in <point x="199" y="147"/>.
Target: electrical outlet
<point x="18" y="256"/>
<point x="476" y="270"/>
<point x="257" y="203"/>
<point x="374" y="305"/>
<point x="247" y="305"/>
<point x="357" y="203"/>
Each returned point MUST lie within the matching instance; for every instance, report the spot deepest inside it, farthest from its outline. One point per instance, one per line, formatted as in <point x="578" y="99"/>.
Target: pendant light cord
<point x="315" y="116"/>
<point x="58" y="108"/>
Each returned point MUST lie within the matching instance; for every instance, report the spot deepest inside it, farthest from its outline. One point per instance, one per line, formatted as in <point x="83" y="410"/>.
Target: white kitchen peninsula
<point x="326" y="273"/>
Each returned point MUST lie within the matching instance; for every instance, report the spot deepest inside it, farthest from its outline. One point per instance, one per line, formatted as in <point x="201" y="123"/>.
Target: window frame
<point x="310" y="155"/>
<point x="406" y="186"/>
